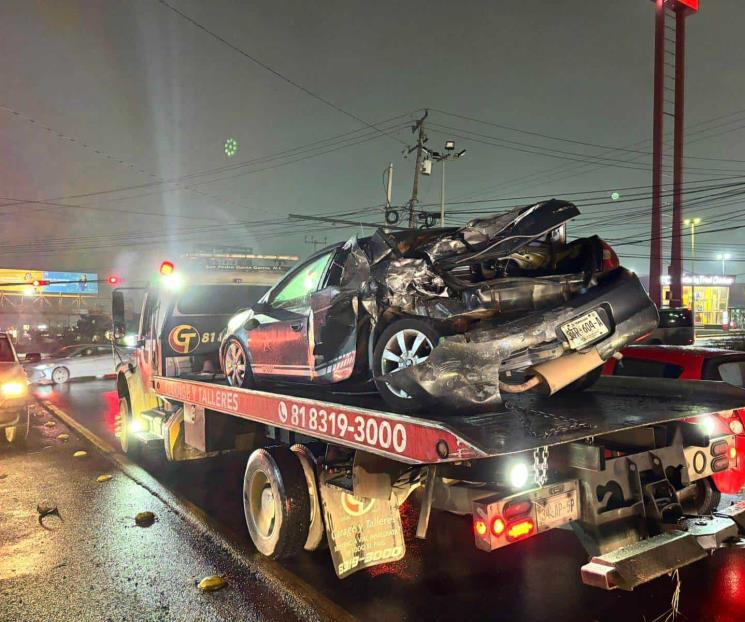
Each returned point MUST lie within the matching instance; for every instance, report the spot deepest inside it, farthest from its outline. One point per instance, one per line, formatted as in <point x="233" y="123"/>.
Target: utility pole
<point x="420" y="149"/>
<point x="389" y="186"/>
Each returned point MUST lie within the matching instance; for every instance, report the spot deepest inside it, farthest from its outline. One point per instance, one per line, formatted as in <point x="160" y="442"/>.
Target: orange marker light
<point x="167" y="268"/>
<point x="733" y="453"/>
<point x="521" y="529"/>
<point x="497" y="526"/>
<point x="479" y="527"/>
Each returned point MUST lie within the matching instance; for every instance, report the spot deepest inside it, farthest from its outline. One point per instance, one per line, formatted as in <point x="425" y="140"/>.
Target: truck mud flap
<point x="688" y="541"/>
<point x="361" y="532"/>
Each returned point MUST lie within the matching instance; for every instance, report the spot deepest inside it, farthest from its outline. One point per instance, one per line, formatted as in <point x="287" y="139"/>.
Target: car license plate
<point x="585" y="329"/>
<point x="557" y="509"/>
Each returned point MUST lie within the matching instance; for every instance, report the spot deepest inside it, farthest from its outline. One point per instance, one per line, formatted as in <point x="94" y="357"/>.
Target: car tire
<point x="130" y="444"/>
<point x="316" y="528"/>
<point x="234" y="356"/>
<point x="402" y="336"/>
<point x="18" y="434"/>
<point x="60" y="375"/>
<point x="584" y="382"/>
<point x="276" y="502"/>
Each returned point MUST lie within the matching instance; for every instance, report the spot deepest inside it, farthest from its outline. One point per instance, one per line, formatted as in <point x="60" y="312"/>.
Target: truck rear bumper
<point x="690" y="540"/>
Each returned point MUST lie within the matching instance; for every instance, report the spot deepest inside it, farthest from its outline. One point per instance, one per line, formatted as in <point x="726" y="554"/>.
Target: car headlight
<point x="238" y="320"/>
<point x="13" y="389"/>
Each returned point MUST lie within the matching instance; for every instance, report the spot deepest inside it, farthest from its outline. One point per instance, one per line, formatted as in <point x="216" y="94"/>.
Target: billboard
<point x="19" y="281"/>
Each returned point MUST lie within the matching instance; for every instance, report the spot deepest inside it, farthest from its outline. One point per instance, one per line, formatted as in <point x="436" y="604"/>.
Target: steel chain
<point x="540" y="465"/>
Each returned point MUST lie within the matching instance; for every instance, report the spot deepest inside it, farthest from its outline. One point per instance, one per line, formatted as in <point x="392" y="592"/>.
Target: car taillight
<point x="610" y="259"/>
<point x="497" y="526"/>
<point x="520" y="529"/>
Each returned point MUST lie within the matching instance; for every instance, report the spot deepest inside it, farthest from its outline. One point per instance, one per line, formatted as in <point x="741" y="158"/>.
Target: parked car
<point x="72" y="362"/>
<point x="675" y="328"/>
<point x="691" y="363"/>
<point x="447" y="316"/>
<point x="14" y="414"/>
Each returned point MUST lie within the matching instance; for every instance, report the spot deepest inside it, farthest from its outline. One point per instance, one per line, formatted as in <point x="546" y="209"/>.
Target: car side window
<point x="88" y="352"/>
<point x="733" y="373"/>
<point x="628" y="366"/>
<point x="304" y="283"/>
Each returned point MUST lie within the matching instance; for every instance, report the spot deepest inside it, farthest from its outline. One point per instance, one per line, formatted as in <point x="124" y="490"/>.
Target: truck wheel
<point x="707" y="497"/>
<point x="316" y="531"/>
<point x="584" y="382"/>
<point x="402" y="344"/>
<point x="276" y="502"/>
<point x="18" y="433"/>
<point x="60" y="375"/>
<point x="235" y="364"/>
<point x="131" y="445"/>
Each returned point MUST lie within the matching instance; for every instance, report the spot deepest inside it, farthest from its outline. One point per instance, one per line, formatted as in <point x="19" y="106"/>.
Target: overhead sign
<point x="60" y="283"/>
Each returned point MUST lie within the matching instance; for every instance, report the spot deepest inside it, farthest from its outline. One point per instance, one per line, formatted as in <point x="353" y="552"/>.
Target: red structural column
<point x="676" y="262"/>
<point x="655" y="244"/>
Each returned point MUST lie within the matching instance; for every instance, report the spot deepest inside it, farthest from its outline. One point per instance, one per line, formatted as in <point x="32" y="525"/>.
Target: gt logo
<point x="356" y="506"/>
<point x="183" y="338"/>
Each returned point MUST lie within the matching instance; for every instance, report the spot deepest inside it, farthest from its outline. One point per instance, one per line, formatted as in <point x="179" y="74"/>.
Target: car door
<point x="280" y="344"/>
<point x="82" y="362"/>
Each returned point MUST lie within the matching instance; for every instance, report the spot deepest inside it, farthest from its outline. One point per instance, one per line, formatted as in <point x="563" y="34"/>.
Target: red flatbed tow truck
<point x="627" y="464"/>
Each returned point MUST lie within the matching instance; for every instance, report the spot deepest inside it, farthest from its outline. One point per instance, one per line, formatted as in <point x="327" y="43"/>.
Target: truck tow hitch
<point x="681" y="543"/>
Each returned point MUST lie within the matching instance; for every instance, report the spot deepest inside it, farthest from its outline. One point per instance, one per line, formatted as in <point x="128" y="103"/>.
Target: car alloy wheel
<point x="405" y="348"/>
<point x="235" y="364"/>
<point x="60" y="375"/>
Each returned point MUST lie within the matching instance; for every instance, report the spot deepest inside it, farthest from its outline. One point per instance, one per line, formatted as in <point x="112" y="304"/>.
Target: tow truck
<point x="627" y="465"/>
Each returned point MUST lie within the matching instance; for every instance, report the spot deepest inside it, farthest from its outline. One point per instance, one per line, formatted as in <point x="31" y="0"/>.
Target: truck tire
<point x="316" y="529"/>
<point x="584" y="382"/>
<point x="402" y="344"/>
<point x="276" y="502"/>
<point x="235" y="364"/>
<point x="130" y="444"/>
<point x="707" y="497"/>
<point x="18" y="434"/>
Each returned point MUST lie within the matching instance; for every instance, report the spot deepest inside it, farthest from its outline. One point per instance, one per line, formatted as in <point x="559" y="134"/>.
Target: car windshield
<point x="674" y="318"/>
<point x="218" y="299"/>
<point x="6" y="351"/>
<point x="733" y="373"/>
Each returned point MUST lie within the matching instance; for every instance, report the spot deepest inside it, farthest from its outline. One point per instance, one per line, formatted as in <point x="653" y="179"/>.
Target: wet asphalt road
<point x="444" y="577"/>
<point x="89" y="562"/>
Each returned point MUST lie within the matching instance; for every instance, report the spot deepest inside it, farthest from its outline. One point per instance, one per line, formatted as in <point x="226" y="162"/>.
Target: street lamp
<point x="723" y="257"/>
<point x="692" y="222"/>
<point x="443" y="157"/>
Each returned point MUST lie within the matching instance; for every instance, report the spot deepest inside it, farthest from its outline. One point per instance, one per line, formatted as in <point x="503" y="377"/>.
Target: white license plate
<point x="585" y="329"/>
<point x="557" y="509"/>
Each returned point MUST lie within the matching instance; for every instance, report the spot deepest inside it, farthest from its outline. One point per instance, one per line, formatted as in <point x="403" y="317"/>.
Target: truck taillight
<point x="479" y="527"/>
<point x="520" y="529"/>
<point x="516" y="508"/>
<point x="497" y="526"/>
<point x="732" y="454"/>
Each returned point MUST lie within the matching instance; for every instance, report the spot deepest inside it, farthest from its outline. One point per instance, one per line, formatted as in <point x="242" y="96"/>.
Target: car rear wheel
<point x="276" y="502"/>
<point x="18" y="433"/>
<point x="235" y="364"/>
<point x="402" y="344"/>
<point x="60" y="375"/>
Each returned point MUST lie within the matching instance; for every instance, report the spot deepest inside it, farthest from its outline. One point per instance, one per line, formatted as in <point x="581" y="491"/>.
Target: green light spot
<point x="231" y="147"/>
<point x="615" y="196"/>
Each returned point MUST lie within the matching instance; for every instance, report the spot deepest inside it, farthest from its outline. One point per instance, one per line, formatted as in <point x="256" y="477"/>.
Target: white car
<point x="72" y="362"/>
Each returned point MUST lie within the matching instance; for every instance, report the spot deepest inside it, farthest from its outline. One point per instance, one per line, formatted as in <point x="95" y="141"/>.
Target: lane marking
<point x="274" y="575"/>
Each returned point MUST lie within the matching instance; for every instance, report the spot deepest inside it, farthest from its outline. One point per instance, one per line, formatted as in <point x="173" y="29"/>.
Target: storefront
<point x="711" y="294"/>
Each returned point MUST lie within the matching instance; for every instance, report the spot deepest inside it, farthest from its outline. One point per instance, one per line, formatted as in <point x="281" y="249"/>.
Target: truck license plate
<point x="585" y="329"/>
<point x="557" y="509"/>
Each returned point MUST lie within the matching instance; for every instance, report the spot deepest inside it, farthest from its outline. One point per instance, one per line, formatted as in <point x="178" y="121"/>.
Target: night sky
<point x="115" y="114"/>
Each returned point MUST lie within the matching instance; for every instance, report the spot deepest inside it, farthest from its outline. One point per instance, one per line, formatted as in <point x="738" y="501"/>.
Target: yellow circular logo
<point x="183" y="338"/>
<point x="356" y="506"/>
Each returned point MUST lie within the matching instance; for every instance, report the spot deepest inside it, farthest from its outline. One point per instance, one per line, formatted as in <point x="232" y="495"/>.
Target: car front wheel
<point x="402" y="344"/>
<point x="235" y="364"/>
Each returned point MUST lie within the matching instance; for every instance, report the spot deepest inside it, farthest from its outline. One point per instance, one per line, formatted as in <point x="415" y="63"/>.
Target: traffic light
<point x="113" y="280"/>
<point x="167" y="268"/>
<point x="38" y="283"/>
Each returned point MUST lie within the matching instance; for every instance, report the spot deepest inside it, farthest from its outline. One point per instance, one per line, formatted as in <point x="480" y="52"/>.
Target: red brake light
<point x="497" y="526"/>
<point x="516" y="508"/>
<point x="114" y="280"/>
<point x="479" y="527"/>
<point x="521" y="529"/>
<point x="167" y="268"/>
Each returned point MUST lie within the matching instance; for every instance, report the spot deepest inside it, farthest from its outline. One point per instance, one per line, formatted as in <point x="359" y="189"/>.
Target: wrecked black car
<point x="451" y="318"/>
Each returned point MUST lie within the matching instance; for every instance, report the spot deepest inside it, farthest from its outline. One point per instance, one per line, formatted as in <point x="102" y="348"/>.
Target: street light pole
<point x="692" y="222"/>
<point x="448" y="154"/>
<point x="723" y="257"/>
<point x="442" y="195"/>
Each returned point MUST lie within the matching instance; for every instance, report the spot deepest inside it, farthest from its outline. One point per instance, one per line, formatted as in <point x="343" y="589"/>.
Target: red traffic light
<point x="167" y="268"/>
<point x="114" y="280"/>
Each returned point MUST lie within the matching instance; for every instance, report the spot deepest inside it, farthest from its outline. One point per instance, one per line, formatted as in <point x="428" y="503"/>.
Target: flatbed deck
<point x="527" y="421"/>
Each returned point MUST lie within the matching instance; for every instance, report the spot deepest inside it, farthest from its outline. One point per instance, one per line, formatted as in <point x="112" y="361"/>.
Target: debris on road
<point x="80" y="454"/>
<point x="45" y="509"/>
<point x="63" y="437"/>
<point x="144" y="519"/>
<point x="211" y="583"/>
<point x="103" y="478"/>
<point x="50" y="424"/>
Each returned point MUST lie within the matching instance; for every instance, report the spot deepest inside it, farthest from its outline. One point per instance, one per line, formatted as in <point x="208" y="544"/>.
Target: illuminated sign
<point x="702" y="279"/>
<point x="20" y="281"/>
<point x="689" y="4"/>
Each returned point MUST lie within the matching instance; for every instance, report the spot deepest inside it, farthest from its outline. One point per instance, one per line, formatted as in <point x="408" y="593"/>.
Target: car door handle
<point x="297" y="326"/>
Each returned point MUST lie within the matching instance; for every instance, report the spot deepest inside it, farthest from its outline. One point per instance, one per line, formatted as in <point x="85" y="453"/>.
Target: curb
<point x="294" y="590"/>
